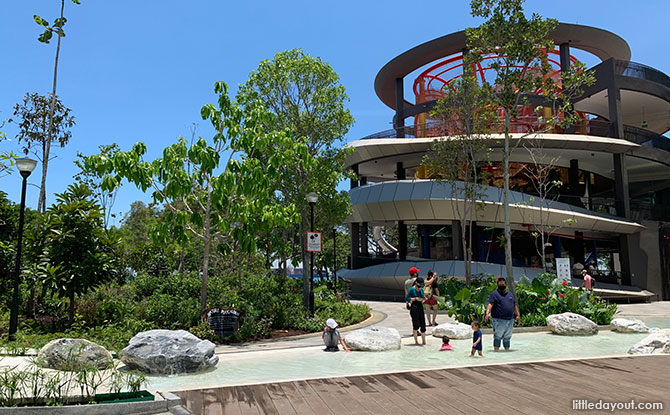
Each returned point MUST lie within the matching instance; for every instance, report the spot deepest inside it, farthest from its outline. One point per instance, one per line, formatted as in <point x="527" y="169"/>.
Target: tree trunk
<point x="205" y="256"/>
<point x="42" y="200"/>
<point x="508" y="231"/>
<point x="72" y="307"/>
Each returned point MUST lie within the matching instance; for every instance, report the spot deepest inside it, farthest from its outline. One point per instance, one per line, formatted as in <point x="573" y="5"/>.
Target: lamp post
<point x="335" y="259"/>
<point x="311" y="199"/>
<point x="25" y="166"/>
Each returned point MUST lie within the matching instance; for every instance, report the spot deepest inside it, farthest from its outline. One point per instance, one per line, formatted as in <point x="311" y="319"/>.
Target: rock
<point x="657" y="342"/>
<point x="571" y="324"/>
<point x="168" y="352"/>
<point x="453" y="330"/>
<point x="373" y="339"/>
<point x="74" y="354"/>
<point x="629" y="325"/>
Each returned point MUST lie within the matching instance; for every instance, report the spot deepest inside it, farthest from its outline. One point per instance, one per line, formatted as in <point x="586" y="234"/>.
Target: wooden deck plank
<point x="528" y="388"/>
<point x="279" y="398"/>
<point x="247" y="401"/>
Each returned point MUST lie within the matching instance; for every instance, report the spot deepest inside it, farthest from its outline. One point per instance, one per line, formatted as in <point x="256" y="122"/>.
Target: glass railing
<point x="640" y="71"/>
<point x="594" y="127"/>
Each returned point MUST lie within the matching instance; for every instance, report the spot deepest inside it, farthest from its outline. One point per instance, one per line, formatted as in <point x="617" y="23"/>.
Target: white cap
<point x="331" y="323"/>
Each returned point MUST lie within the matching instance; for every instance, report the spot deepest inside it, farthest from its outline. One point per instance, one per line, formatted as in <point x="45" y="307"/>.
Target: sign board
<point x="563" y="271"/>
<point x="223" y="321"/>
<point x="313" y="241"/>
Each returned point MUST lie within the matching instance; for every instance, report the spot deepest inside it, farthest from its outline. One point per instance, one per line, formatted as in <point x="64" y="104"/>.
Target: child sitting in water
<point x="476" y="338"/>
<point x="445" y="344"/>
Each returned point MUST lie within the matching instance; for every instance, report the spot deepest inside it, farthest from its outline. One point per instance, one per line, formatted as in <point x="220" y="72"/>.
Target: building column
<point x="400" y="171"/>
<point x="573" y="179"/>
<point x="354" y="231"/>
<point x="355" y="247"/>
<point x="621" y="194"/>
<point x="402" y="239"/>
<point x="399" y="107"/>
<point x="564" y="52"/>
<point x="578" y="248"/>
<point x="425" y="242"/>
<point x="556" y="245"/>
<point x="364" y="239"/>
<point x="457" y="239"/>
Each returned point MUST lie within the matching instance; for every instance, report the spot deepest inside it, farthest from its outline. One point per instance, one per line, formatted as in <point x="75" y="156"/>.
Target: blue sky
<point x="141" y="70"/>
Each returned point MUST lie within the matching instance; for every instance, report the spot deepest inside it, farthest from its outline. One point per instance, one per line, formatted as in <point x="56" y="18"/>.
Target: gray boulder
<point x="657" y="342"/>
<point x="74" y="354"/>
<point x="168" y="352"/>
<point x="453" y="330"/>
<point x="571" y="324"/>
<point x="629" y="325"/>
<point x="373" y="339"/>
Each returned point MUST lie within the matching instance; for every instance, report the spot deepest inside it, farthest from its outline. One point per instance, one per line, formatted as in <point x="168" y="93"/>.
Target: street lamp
<point x="25" y="166"/>
<point x="335" y="259"/>
<point x="312" y="198"/>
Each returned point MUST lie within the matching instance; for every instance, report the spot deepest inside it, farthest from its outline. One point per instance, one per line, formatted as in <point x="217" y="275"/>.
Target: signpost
<point x="223" y="321"/>
<point x="563" y="271"/>
<point x="313" y="241"/>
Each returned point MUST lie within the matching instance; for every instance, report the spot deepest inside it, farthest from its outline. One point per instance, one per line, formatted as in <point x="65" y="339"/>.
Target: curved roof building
<point x="611" y="210"/>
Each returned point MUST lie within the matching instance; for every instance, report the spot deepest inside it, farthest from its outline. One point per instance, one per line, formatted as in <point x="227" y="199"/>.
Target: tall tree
<point x="306" y="97"/>
<point x="106" y="198"/>
<point x="457" y="158"/>
<point x="45" y="37"/>
<point x="516" y="49"/>
<point x="42" y="120"/>
<point x="222" y="202"/>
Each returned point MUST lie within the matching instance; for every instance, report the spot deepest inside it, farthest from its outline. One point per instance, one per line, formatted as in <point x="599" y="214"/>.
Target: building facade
<point x="610" y="212"/>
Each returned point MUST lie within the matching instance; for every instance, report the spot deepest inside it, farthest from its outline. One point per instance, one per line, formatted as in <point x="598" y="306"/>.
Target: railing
<point x="594" y="127"/>
<point x="640" y="71"/>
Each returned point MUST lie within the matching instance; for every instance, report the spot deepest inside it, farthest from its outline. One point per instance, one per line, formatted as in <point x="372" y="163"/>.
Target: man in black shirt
<point x="502" y="309"/>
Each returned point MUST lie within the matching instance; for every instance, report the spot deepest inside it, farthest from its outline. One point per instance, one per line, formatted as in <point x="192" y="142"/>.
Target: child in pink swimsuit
<point x="445" y="344"/>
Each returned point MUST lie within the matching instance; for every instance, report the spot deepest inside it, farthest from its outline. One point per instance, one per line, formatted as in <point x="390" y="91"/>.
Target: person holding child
<point x="415" y="298"/>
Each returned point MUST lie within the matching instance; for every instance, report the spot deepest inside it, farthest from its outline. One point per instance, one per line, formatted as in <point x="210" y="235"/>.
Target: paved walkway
<point x="384" y="314"/>
<point x="526" y="388"/>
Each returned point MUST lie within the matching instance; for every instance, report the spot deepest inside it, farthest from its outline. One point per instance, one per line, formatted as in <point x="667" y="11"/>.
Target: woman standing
<point x="430" y="291"/>
<point x="415" y="297"/>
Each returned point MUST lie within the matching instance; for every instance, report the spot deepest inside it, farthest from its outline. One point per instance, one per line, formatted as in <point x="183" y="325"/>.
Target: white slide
<point x="386" y="247"/>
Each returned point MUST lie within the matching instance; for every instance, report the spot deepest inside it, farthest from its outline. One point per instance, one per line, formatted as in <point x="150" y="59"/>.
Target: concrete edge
<point x="126" y="408"/>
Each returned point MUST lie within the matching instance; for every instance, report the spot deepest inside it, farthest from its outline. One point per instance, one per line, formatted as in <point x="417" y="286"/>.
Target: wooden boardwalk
<point x="525" y="388"/>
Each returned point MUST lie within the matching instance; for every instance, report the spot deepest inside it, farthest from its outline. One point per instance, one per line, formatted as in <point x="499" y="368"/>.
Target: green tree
<point x="223" y="204"/>
<point x="515" y="47"/>
<point x="78" y="254"/>
<point x="306" y="97"/>
<point x="6" y="157"/>
<point x="457" y="159"/>
<point x="106" y="198"/>
<point x="42" y="120"/>
<point x="45" y="37"/>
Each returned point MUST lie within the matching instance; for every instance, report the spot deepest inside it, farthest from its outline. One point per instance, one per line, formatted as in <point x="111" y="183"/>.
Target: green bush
<point x="539" y="298"/>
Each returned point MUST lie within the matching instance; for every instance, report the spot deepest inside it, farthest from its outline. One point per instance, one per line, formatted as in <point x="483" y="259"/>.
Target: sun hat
<point x="414" y="270"/>
<point x="331" y="323"/>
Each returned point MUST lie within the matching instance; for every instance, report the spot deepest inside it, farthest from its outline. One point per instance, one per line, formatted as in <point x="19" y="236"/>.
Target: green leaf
<point x="40" y="21"/>
<point x="463" y="295"/>
<point x="45" y="37"/>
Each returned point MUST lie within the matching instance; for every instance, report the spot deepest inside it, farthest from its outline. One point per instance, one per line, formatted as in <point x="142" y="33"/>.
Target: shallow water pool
<point x="312" y="362"/>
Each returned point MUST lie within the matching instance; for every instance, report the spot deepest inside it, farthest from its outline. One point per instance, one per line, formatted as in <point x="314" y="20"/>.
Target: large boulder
<point x="73" y="355"/>
<point x="657" y="342"/>
<point x="628" y="325"/>
<point x="571" y="324"/>
<point x="373" y="339"/>
<point x="168" y="352"/>
<point x="453" y="330"/>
